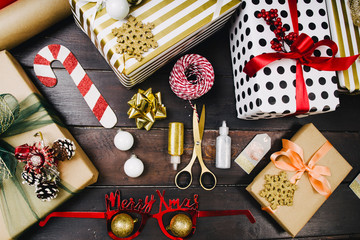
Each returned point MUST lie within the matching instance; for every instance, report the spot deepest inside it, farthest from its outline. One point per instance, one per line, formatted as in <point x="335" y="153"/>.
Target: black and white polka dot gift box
<point x="271" y="92"/>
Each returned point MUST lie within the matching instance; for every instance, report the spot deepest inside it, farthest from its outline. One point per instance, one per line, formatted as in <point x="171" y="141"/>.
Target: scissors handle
<point x="186" y="174"/>
<point x="207" y="175"/>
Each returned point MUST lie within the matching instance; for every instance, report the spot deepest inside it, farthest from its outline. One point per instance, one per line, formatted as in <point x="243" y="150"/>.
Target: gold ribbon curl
<point x="145" y="108"/>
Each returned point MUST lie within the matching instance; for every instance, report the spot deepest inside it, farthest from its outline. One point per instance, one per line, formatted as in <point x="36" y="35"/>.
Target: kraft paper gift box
<point x="347" y="37"/>
<point x="179" y="25"/>
<point x="21" y="20"/>
<point x="271" y="92"/>
<point x="19" y="209"/>
<point x="306" y="199"/>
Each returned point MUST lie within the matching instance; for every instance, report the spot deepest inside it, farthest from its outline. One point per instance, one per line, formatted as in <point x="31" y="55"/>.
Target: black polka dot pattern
<point x="271" y="92"/>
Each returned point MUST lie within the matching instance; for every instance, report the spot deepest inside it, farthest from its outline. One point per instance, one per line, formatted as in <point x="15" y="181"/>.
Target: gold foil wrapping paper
<point x="145" y="108"/>
<point x="24" y="19"/>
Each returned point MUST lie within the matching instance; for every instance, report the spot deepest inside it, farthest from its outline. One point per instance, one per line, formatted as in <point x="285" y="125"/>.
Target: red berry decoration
<point x="272" y="18"/>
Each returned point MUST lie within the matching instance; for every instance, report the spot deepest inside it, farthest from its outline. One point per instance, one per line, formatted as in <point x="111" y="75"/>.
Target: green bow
<point x="15" y="118"/>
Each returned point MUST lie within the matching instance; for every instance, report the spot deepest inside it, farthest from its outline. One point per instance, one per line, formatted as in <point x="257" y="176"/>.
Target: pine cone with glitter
<point x="32" y="178"/>
<point x="46" y="191"/>
<point x="63" y="149"/>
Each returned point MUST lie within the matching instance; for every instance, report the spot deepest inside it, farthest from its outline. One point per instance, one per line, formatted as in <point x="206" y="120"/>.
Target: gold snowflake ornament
<point x="134" y="38"/>
<point x="278" y="190"/>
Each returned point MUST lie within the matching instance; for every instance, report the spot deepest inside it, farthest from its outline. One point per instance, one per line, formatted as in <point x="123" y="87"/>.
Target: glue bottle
<point x="223" y="148"/>
<point x="176" y="142"/>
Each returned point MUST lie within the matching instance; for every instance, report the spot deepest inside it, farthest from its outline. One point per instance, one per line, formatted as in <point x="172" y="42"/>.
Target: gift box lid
<point x="306" y="200"/>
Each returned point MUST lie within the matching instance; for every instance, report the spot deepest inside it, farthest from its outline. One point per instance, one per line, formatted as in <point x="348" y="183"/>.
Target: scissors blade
<point x="196" y="133"/>
<point x="202" y="122"/>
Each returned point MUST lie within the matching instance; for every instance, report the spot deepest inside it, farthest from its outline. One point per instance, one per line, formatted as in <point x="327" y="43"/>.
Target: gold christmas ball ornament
<point x="122" y="225"/>
<point x="180" y="225"/>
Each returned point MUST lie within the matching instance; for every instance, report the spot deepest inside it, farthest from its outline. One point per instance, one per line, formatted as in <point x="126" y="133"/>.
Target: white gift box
<point x="271" y="92"/>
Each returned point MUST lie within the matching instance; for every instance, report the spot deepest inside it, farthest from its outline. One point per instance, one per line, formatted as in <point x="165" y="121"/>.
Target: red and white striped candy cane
<point x="91" y="94"/>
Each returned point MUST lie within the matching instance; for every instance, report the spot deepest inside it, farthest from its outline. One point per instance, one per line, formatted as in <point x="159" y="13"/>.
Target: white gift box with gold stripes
<point x="347" y="37"/>
<point x="179" y="25"/>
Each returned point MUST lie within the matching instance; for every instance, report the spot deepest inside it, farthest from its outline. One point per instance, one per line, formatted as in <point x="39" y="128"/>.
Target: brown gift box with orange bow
<point x="306" y="199"/>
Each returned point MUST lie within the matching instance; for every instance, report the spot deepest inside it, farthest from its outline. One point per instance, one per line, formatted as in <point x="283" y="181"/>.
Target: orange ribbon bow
<point x="296" y="162"/>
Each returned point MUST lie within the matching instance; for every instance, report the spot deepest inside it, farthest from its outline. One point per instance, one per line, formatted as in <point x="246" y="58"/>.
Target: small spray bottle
<point x="176" y="142"/>
<point x="223" y="148"/>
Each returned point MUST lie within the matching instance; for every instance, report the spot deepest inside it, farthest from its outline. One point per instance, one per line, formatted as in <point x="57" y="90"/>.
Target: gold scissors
<point x="198" y="131"/>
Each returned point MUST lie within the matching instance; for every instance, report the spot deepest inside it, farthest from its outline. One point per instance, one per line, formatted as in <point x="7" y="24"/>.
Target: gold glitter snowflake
<point x="278" y="191"/>
<point x="355" y="11"/>
<point x="134" y="38"/>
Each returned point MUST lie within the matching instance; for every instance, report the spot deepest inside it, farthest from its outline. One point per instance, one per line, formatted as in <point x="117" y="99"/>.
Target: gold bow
<point x="146" y="107"/>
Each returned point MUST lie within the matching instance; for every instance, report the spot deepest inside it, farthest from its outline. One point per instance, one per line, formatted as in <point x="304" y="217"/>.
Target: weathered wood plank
<point x="335" y="218"/>
<point x="219" y="101"/>
<point x="151" y="147"/>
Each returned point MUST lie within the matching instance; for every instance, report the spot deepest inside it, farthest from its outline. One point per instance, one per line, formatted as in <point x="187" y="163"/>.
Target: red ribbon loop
<point x="302" y="51"/>
<point x="302" y="44"/>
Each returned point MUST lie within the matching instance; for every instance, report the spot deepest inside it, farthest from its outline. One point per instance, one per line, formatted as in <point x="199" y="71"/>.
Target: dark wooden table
<point x="338" y="218"/>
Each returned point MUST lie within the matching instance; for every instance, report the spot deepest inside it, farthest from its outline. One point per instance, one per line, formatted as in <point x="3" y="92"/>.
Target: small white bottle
<point x="223" y="148"/>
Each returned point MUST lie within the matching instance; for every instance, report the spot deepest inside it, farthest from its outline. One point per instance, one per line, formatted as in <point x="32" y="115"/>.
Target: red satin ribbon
<point x="4" y="3"/>
<point x="296" y="162"/>
<point x="302" y="50"/>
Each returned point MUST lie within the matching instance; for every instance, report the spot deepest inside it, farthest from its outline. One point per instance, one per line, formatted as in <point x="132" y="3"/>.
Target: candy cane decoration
<point x="91" y="94"/>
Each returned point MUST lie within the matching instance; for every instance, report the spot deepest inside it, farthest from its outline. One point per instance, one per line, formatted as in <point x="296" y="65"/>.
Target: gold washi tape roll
<point x="176" y="142"/>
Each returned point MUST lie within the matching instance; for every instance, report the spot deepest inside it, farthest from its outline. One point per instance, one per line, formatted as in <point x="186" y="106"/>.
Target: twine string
<point x="191" y="77"/>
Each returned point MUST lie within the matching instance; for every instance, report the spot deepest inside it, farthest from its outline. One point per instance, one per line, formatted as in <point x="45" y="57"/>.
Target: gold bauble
<point x="180" y="225"/>
<point x="122" y="225"/>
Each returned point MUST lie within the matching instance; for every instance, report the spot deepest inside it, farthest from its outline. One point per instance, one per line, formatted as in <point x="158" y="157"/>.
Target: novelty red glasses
<point x="135" y="215"/>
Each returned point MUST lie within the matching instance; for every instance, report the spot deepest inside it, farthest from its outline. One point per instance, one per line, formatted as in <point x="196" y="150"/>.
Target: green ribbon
<point x="9" y="111"/>
<point x="15" y="118"/>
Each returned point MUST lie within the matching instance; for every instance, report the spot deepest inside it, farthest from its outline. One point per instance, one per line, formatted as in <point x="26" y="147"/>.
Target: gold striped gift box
<point x="179" y="25"/>
<point x="347" y="36"/>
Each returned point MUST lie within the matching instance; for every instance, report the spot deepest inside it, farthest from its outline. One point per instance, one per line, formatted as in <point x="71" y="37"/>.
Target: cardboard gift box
<point x="272" y="91"/>
<point x="306" y="199"/>
<point x="21" y="20"/>
<point x="19" y="206"/>
<point x="347" y="37"/>
<point x="179" y="25"/>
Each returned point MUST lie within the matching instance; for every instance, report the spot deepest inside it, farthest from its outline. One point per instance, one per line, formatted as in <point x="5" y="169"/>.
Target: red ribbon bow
<point x="296" y="162"/>
<point x="302" y="50"/>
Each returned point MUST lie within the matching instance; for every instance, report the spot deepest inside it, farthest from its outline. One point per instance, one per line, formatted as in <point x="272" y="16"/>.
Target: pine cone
<point x="46" y="191"/>
<point x="32" y="178"/>
<point x="64" y="149"/>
